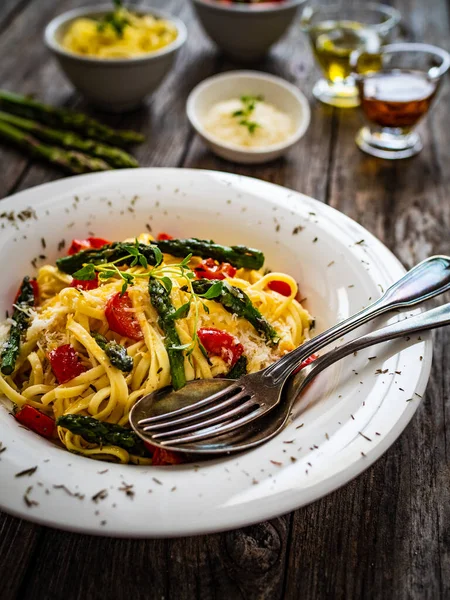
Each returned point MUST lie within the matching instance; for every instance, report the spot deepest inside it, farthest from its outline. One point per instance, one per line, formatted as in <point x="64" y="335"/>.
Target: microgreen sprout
<point x="161" y="272"/>
<point x="117" y="20"/>
<point x="248" y="106"/>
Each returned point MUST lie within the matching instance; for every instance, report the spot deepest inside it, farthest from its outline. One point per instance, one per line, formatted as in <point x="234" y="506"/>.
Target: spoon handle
<point x="431" y="319"/>
<point x="424" y="281"/>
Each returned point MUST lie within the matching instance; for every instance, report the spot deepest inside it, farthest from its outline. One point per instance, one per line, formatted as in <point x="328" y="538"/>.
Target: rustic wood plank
<point x="91" y="567"/>
<point x="18" y="541"/>
<point x="385" y="534"/>
<point x="10" y="10"/>
<point x="237" y="565"/>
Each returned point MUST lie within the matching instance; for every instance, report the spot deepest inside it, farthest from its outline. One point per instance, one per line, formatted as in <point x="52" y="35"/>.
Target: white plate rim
<point x="292" y="500"/>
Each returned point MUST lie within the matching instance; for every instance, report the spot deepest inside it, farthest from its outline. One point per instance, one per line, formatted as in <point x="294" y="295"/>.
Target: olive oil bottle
<point x="333" y="43"/>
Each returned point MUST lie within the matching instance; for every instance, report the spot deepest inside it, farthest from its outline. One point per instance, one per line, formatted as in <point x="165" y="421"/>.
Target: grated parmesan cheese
<point x="4" y="331"/>
<point x="265" y="126"/>
<point x="40" y="324"/>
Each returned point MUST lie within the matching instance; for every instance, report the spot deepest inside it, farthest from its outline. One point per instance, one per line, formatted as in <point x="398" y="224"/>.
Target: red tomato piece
<point x="164" y="236"/>
<point x="162" y="457"/>
<point x="306" y="362"/>
<point x="81" y="284"/>
<point x="35" y="286"/>
<point x="36" y="421"/>
<point x="65" y="363"/>
<point x="228" y="269"/>
<point x="120" y="317"/>
<point x="87" y="244"/>
<point x="281" y="287"/>
<point x="211" y="269"/>
<point x="221" y="343"/>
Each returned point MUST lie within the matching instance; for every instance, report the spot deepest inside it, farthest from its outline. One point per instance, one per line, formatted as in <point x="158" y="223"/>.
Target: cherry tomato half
<point x="164" y="236"/>
<point x="120" y="317"/>
<point x="35" y="420"/>
<point x="162" y="457"/>
<point x="281" y="287"/>
<point x="221" y="343"/>
<point x="87" y="244"/>
<point x="82" y="284"/>
<point x="211" y="269"/>
<point x="306" y="362"/>
<point x="65" y="363"/>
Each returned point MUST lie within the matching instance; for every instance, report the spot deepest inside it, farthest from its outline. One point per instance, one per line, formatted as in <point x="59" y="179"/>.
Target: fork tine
<point x="191" y="407"/>
<point x="215" y="430"/>
<point x="219" y="419"/>
<point x="196" y="415"/>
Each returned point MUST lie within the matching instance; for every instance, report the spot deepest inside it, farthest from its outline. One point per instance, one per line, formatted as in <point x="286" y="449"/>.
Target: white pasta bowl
<point x="113" y="85"/>
<point x="343" y="423"/>
<point x="276" y="91"/>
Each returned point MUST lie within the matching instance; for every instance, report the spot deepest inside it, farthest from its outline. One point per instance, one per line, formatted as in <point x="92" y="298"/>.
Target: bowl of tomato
<point x="246" y="30"/>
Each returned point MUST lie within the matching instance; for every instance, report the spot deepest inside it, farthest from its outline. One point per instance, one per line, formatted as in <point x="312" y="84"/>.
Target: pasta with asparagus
<point x="114" y="321"/>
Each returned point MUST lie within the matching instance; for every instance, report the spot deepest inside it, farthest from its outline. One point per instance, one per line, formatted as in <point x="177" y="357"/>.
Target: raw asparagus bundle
<point x="114" y="156"/>
<point x="66" y="119"/>
<point x="70" y="160"/>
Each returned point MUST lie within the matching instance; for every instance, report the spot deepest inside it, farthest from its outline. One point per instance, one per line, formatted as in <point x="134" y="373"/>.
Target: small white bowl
<point x="114" y="85"/>
<point x="283" y="95"/>
<point x="246" y="32"/>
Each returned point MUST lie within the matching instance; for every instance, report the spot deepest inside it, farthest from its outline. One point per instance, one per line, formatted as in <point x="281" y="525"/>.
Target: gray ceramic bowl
<point x="246" y="32"/>
<point x="114" y="85"/>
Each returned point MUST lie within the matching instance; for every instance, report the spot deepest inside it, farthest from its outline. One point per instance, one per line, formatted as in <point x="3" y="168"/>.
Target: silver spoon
<point x="195" y="411"/>
<point x="275" y="421"/>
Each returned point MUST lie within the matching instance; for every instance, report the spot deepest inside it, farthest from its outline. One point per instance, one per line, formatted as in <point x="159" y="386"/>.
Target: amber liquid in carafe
<point x="334" y="41"/>
<point x="397" y="98"/>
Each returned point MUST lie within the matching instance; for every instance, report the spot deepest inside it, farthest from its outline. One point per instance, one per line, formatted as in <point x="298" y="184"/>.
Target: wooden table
<point x="386" y="534"/>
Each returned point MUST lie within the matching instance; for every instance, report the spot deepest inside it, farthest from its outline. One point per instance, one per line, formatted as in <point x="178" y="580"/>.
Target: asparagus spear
<point x="115" y="156"/>
<point x="116" y="353"/>
<point x="160" y="299"/>
<point x="66" y="119"/>
<point x="236" y="301"/>
<point x="99" y="432"/>
<point x="238" y="256"/>
<point x="21" y="320"/>
<point x="239" y="369"/>
<point x="105" y="254"/>
<point x="70" y="160"/>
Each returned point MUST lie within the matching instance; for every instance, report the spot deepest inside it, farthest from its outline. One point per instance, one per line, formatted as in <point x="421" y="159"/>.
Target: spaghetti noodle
<point x="70" y="358"/>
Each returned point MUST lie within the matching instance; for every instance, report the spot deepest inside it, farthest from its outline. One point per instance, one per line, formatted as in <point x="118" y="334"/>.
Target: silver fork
<point x="275" y="421"/>
<point x="214" y="407"/>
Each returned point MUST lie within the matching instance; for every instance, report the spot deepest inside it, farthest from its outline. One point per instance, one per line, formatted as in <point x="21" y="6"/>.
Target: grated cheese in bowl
<point x="248" y="122"/>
